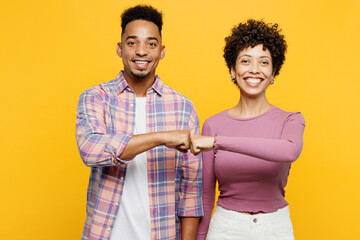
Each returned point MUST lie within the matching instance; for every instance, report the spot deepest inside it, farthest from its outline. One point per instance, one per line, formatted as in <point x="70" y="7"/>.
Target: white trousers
<point x="227" y="224"/>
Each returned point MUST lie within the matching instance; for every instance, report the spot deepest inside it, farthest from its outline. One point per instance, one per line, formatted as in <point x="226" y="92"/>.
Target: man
<point x="134" y="133"/>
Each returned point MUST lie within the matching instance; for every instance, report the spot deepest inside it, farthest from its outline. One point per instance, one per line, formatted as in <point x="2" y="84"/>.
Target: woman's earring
<point x="272" y="82"/>
<point x="233" y="80"/>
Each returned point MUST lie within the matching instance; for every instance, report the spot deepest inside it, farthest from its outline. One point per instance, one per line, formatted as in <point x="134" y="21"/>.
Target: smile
<point x="141" y="64"/>
<point x="253" y="82"/>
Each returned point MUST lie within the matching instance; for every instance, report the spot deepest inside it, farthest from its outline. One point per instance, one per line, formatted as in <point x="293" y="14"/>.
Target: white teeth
<point x="141" y="62"/>
<point x="252" y="80"/>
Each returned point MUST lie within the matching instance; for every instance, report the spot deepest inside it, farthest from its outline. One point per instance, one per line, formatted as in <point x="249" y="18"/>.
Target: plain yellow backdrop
<point x="53" y="50"/>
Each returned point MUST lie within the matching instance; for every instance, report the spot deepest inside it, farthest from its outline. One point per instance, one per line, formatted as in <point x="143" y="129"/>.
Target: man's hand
<point x="201" y="144"/>
<point x="179" y="140"/>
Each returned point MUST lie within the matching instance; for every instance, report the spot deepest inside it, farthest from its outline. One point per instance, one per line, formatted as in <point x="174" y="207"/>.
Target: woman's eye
<point x="245" y="61"/>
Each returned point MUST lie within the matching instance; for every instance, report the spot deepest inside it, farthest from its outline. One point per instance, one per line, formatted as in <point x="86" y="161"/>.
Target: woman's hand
<point x="200" y="144"/>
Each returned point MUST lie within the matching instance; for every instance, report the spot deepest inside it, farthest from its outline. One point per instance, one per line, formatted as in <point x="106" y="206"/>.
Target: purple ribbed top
<point x="251" y="161"/>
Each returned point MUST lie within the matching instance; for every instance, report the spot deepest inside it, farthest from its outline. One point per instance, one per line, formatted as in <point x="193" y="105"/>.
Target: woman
<point x="249" y="148"/>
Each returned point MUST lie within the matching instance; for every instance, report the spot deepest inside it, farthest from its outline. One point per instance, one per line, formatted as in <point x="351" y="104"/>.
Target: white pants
<point x="226" y="224"/>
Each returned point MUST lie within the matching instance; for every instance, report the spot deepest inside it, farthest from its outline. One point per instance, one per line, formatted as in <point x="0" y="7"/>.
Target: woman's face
<point x="253" y="71"/>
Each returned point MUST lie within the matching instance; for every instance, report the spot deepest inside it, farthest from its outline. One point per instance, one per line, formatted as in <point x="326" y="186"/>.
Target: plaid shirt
<point x="104" y="125"/>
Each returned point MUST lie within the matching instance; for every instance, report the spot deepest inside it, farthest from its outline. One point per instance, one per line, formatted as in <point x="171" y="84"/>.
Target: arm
<point x="178" y="140"/>
<point x="190" y="205"/>
<point x="209" y="185"/>
<point x="285" y="149"/>
<point x="189" y="226"/>
<point x="96" y="147"/>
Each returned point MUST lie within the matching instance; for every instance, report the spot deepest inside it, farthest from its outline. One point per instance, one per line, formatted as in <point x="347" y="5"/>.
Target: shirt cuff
<point x="191" y="207"/>
<point x="216" y="143"/>
<point x="115" y="146"/>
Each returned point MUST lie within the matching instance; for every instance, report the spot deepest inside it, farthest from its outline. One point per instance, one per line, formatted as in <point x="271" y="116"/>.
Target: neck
<point x="140" y="85"/>
<point x="250" y="107"/>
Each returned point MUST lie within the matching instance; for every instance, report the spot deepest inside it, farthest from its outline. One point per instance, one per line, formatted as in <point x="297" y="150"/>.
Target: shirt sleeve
<point x="209" y="185"/>
<point x="285" y="149"/>
<point x="96" y="146"/>
<point x="191" y="181"/>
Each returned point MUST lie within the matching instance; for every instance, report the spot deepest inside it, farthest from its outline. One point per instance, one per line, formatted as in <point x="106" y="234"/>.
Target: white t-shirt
<point x="133" y="219"/>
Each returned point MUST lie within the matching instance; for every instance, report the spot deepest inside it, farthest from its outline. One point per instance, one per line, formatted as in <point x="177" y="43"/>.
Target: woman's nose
<point x="254" y="68"/>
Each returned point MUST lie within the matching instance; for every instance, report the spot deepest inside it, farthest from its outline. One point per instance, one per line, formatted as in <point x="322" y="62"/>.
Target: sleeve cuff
<point x="216" y="143"/>
<point x="115" y="146"/>
<point x="185" y="209"/>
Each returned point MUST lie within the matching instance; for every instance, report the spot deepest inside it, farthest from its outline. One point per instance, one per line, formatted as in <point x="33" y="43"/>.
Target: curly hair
<point x="141" y="12"/>
<point x="253" y="33"/>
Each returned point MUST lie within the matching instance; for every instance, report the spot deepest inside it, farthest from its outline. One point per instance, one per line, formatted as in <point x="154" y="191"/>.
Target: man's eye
<point x="131" y="43"/>
<point x="152" y="44"/>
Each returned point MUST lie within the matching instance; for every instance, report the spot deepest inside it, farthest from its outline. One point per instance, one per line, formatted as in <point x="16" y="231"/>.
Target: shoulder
<point x="289" y="116"/>
<point x="102" y="91"/>
<point x="213" y="123"/>
<point x="171" y="95"/>
<point x="216" y="119"/>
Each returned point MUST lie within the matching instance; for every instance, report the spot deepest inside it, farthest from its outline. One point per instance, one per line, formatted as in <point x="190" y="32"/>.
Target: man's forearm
<point x="189" y="226"/>
<point x="178" y="139"/>
<point x="140" y="143"/>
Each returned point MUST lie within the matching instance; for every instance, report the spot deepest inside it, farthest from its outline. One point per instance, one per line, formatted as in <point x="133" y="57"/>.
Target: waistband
<point x="282" y="212"/>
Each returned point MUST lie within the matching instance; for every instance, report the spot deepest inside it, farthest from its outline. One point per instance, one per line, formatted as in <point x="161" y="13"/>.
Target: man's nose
<point x="141" y="50"/>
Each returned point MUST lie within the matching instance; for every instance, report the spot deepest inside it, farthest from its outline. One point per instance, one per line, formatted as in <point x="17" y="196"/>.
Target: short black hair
<point x="252" y="33"/>
<point x="141" y="12"/>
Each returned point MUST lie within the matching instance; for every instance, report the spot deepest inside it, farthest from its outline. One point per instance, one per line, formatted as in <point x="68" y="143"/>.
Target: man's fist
<point x="178" y="139"/>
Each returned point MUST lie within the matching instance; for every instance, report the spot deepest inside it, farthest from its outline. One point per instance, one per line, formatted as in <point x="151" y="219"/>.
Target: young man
<point x="134" y="133"/>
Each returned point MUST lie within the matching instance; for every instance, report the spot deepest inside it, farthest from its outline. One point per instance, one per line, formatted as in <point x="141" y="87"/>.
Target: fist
<point x="200" y="144"/>
<point x="179" y="140"/>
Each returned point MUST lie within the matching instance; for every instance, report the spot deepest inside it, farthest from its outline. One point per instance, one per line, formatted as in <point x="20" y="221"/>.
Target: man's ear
<point x="119" y="49"/>
<point x="162" y="54"/>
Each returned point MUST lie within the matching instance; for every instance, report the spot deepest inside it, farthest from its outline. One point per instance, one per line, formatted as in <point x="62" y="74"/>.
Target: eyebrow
<point x="135" y="37"/>
<point x="152" y="38"/>
<point x="247" y="55"/>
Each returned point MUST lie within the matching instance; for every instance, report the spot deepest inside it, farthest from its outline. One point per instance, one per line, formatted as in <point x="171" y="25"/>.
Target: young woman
<point x="249" y="148"/>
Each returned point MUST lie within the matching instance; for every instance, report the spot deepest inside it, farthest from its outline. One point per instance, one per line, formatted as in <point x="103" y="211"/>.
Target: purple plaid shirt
<point x="104" y="125"/>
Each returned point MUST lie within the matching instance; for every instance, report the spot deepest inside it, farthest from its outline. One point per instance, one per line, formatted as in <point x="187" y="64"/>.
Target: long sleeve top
<point x="251" y="160"/>
<point x="104" y="125"/>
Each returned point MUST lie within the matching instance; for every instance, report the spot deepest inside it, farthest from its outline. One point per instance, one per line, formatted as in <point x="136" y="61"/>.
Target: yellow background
<point x="53" y="50"/>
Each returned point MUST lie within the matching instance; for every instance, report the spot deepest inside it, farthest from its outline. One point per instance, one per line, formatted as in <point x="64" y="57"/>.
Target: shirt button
<point x="109" y="229"/>
<point x="131" y="105"/>
<point x="255" y="220"/>
<point x="122" y="178"/>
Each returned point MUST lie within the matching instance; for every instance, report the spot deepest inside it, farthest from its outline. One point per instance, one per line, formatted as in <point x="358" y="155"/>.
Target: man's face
<point x="140" y="49"/>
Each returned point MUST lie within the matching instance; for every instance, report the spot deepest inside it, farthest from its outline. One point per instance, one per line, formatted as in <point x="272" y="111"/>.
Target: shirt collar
<point x="122" y="84"/>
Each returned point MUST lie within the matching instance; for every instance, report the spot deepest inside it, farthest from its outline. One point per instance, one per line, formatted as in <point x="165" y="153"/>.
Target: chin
<point x="140" y="75"/>
<point x="251" y="94"/>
